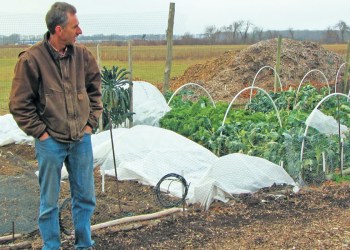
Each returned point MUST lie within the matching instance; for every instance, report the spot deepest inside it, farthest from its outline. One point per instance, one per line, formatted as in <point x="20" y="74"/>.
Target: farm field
<point x="148" y="61"/>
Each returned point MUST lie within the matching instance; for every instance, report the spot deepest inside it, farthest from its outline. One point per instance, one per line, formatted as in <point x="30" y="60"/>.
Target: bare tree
<point x="291" y="33"/>
<point x="258" y="33"/>
<point x="187" y="38"/>
<point x="245" y="30"/>
<point x="236" y="28"/>
<point x="272" y="34"/>
<point x="227" y="31"/>
<point x="343" y="29"/>
<point x="210" y="33"/>
<point x="331" y="36"/>
<point x="12" y="39"/>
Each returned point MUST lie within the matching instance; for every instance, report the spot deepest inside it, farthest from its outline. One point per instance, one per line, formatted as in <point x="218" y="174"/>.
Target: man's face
<point x="71" y="31"/>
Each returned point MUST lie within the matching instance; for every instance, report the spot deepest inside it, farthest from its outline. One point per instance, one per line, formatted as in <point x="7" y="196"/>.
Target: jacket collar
<point x="53" y="52"/>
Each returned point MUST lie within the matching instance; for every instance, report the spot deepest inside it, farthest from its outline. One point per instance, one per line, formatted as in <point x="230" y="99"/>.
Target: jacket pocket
<point x="83" y="109"/>
<point x="54" y="114"/>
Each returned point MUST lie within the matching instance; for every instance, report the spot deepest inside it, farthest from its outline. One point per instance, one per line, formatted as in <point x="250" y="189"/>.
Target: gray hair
<point x="57" y="15"/>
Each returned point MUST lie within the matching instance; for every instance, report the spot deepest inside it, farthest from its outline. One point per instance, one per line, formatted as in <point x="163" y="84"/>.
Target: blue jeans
<point x="79" y="163"/>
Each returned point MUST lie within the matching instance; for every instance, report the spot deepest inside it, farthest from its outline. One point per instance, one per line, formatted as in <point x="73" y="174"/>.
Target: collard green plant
<point x="115" y="96"/>
<point x="255" y="130"/>
<point x="116" y="102"/>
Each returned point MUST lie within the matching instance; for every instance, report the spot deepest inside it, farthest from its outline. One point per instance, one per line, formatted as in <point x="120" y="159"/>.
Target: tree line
<point x="238" y="32"/>
<point x="245" y="32"/>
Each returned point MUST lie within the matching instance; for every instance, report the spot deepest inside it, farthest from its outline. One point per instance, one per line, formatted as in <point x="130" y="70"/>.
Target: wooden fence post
<point x="346" y="72"/>
<point x="98" y="58"/>
<point x="131" y="108"/>
<point x="278" y="63"/>
<point x="169" y="56"/>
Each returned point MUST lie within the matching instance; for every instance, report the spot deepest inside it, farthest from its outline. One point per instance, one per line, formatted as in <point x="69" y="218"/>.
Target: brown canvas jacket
<point x="56" y="94"/>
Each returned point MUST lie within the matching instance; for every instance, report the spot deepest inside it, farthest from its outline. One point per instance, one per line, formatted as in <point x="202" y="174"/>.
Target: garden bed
<point x="275" y="217"/>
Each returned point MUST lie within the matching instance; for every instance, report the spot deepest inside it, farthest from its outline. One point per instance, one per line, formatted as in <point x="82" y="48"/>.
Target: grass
<point x="340" y="179"/>
<point x="4" y="96"/>
<point x="153" y="71"/>
<point x="338" y="48"/>
<point x="148" y="62"/>
<point x="158" y="53"/>
<point x="7" y="66"/>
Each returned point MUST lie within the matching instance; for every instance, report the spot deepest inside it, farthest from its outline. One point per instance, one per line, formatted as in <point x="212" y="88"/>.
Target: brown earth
<point x="228" y="74"/>
<point x="273" y="218"/>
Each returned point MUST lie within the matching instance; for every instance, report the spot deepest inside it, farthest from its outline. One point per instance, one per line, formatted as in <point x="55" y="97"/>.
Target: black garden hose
<point x="65" y="217"/>
<point x="163" y="198"/>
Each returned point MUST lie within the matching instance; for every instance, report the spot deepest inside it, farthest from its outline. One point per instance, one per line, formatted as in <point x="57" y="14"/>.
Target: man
<point x="56" y="98"/>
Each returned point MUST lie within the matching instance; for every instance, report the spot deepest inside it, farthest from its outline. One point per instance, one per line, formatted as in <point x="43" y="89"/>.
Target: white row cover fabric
<point x="149" y="104"/>
<point x="11" y="133"/>
<point x="146" y="154"/>
<point x="235" y="174"/>
<point x="325" y="124"/>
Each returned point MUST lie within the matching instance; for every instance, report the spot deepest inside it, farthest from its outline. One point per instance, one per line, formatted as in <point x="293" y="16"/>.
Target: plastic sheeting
<point x="11" y="133"/>
<point x="325" y="124"/>
<point x="238" y="173"/>
<point x="146" y="154"/>
<point x="149" y="104"/>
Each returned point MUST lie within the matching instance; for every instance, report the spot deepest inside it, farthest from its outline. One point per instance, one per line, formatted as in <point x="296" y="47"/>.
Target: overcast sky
<point x="193" y="16"/>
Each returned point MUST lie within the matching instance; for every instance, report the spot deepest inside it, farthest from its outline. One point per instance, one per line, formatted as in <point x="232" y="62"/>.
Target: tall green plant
<point x="116" y="101"/>
<point x="115" y="96"/>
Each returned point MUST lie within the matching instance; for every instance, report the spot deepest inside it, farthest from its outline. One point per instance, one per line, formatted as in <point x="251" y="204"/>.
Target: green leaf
<point x="115" y="96"/>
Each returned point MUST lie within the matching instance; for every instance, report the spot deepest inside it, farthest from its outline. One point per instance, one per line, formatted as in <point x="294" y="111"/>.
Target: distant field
<point x="338" y="48"/>
<point x="148" y="61"/>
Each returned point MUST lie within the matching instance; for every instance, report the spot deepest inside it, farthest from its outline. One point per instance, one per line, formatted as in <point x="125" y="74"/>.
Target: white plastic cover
<point x="11" y="133"/>
<point x="149" y="104"/>
<point x="325" y="124"/>
<point x="238" y="173"/>
<point x="146" y="154"/>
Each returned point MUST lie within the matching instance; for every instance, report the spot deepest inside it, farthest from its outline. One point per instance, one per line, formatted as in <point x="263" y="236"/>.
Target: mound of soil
<point x="226" y="75"/>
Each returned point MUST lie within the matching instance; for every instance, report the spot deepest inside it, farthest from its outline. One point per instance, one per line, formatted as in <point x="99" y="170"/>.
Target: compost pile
<point x="226" y="75"/>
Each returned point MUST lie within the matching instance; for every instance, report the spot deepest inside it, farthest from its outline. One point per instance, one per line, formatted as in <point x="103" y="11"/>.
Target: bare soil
<point x="273" y="218"/>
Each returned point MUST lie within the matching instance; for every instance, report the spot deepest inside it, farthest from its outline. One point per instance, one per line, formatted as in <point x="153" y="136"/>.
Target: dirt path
<point x="19" y="192"/>
<point x="312" y="219"/>
<point x="299" y="232"/>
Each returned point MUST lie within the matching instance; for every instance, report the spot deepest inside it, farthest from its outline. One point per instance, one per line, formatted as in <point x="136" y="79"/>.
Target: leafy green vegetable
<point x="255" y="130"/>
